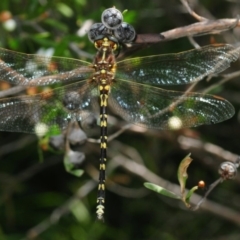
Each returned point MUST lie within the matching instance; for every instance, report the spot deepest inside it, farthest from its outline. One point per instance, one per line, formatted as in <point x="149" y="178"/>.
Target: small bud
<point x="227" y="170"/>
<point x="201" y="184"/>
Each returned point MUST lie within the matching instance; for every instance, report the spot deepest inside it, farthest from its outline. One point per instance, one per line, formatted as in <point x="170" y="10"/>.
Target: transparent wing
<point x="180" y="68"/>
<point x="32" y="70"/>
<point x="158" y="108"/>
<point x="54" y="108"/>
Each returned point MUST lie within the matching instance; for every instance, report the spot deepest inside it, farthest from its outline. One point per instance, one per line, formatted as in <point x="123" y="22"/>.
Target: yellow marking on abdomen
<point x="102" y="166"/>
<point x="101" y="186"/>
<point x="103" y="100"/>
<point x="103" y="123"/>
<point x="103" y="145"/>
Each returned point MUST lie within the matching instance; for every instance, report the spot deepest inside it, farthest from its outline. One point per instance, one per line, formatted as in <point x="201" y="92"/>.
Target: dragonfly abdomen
<point x="104" y="91"/>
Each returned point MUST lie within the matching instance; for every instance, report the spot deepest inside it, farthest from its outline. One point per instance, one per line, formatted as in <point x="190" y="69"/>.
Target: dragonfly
<point x="131" y="87"/>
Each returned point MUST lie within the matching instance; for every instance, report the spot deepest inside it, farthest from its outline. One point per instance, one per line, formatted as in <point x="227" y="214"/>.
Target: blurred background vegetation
<point x="36" y="194"/>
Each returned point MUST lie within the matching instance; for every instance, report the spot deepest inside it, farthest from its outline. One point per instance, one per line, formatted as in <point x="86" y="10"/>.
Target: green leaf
<point x="182" y="172"/>
<point x="189" y="194"/>
<point x="64" y="9"/>
<point x="161" y="190"/>
<point x="41" y="35"/>
<point x="80" y="211"/>
<point x="129" y="16"/>
<point x="70" y="167"/>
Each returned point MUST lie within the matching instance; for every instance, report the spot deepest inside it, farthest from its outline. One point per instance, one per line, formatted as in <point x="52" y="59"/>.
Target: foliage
<point x="41" y="196"/>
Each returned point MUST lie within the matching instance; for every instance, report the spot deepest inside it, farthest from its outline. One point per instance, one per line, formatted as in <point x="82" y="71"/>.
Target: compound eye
<point x="112" y="18"/>
<point x="96" y="30"/>
<point x="125" y="33"/>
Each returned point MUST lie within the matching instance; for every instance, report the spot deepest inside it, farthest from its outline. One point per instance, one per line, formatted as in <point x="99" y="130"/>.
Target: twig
<point x="187" y="143"/>
<point x="61" y="211"/>
<point x="147" y="175"/>
<point x="226" y="78"/>
<point x="195" y="15"/>
<point x="115" y="135"/>
<point x="12" y="91"/>
<point x="195" y="29"/>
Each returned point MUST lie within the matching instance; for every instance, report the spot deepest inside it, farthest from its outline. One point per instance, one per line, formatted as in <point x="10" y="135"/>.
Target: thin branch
<point x="147" y="175"/>
<point x="191" y="12"/>
<point x="112" y="136"/>
<point x="187" y="143"/>
<point x="61" y="211"/>
<point x="195" y="29"/>
<point x="226" y="78"/>
<point x="12" y="91"/>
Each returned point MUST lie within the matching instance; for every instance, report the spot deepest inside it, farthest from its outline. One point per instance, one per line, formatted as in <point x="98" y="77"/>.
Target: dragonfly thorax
<point x="104" y="63"/>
